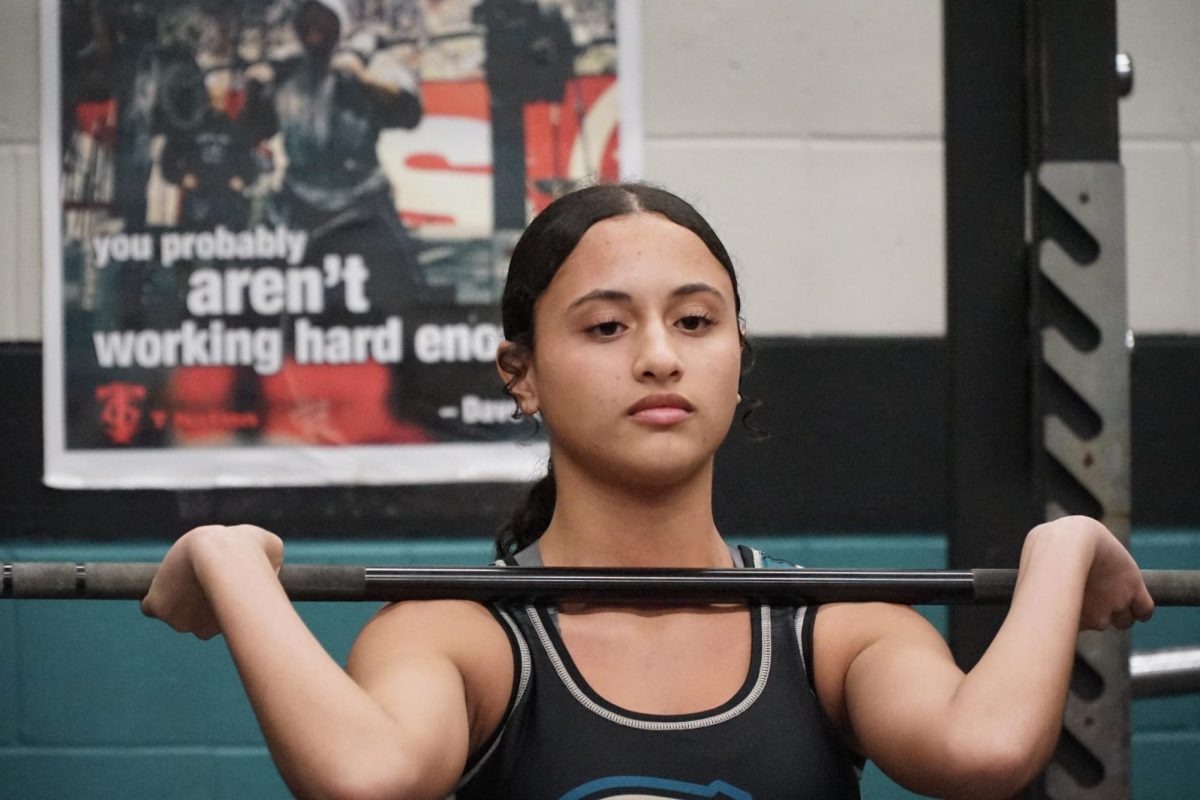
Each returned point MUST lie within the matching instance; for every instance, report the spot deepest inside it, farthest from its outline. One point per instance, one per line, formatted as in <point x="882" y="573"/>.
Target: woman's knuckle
<point x="206" y="531"/>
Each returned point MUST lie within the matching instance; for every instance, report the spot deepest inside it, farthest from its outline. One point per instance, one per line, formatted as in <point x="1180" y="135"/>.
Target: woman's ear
<point x="515" y="365"/>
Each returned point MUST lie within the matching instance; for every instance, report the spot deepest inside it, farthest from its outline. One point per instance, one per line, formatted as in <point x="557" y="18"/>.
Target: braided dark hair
<point x="537" y="257"/>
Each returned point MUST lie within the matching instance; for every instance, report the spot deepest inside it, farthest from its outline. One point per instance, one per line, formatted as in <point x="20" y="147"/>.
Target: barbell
<point x="131" y="581"/>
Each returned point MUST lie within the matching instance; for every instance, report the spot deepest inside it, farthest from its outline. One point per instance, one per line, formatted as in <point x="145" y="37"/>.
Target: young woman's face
<point x="637" y="353"/>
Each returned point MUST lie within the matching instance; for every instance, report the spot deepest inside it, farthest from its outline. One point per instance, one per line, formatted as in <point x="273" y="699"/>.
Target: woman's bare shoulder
<point x="458" y="629"/>
<point x="415" y="638"/>
<point x="855" y="625"/>
<point x="843" y="632"/>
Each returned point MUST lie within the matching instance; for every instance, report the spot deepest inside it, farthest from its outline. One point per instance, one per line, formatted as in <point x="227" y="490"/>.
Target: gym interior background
<point x="811" y="133"/>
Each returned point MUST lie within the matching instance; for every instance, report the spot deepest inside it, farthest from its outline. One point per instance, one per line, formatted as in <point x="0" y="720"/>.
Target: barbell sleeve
<point x="1168" y="587"/>
<point x="131" y="581"/>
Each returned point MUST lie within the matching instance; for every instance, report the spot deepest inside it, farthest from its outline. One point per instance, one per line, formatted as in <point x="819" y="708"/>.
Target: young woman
<point x="621" y="317"/>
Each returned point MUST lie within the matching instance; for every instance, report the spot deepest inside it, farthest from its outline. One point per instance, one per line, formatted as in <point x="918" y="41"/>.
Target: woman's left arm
<point x="889" y="681"/>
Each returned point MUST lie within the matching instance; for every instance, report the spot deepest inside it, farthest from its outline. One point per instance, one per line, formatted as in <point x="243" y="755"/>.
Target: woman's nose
<point x="657" y="357"/>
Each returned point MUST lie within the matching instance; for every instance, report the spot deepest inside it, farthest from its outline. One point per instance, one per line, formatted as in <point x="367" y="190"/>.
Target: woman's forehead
<point x="643" y="251"/>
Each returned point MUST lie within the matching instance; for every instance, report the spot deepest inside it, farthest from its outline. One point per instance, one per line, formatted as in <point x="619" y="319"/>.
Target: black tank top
<point x="562" y="741"/>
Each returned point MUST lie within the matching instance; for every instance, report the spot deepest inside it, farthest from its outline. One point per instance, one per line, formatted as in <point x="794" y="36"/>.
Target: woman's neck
<point x="609" y="524"/>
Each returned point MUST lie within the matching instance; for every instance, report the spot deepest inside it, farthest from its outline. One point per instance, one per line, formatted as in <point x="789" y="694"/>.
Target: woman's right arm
<point x="400" y="727"/>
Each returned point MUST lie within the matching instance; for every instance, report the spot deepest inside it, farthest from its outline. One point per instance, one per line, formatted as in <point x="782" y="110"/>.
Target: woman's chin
<point x="658" y="471"/>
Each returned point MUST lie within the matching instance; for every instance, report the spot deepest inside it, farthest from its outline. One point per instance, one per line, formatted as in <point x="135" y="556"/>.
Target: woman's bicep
<point x="418" y="664"/>
<point x="888" y="680"/>
<point x="424" y="694"/>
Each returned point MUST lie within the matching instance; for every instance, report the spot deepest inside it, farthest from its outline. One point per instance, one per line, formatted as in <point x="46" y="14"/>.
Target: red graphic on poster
<point x="121" y="410"/>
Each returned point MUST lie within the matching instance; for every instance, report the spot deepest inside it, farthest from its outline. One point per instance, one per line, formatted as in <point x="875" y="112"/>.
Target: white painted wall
<point x="20" y="217"/>
<point x="1161" y="152"/>
<point x="810" y="133"/>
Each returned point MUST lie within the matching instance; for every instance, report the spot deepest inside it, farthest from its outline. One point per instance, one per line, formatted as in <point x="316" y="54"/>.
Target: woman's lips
<point x="661" y="409"/>
<point x="662" y="415"/>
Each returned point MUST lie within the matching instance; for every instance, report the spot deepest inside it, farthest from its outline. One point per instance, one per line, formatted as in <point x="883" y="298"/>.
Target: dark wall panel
<point x="1166" y="430"/>
<point x="856" y="443"/>
<point x="856" y="439"/>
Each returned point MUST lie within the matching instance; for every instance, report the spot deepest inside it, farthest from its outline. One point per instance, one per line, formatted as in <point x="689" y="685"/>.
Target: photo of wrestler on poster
<point x="284" y="227"/>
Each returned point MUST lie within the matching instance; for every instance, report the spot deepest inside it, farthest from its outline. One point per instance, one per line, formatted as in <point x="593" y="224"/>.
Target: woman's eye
<point x="609" y="328"/>
<point x="695" y="322"/>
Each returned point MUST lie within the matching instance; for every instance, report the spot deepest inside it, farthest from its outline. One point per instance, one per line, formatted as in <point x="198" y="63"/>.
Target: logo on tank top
<point x="631" y="787"/>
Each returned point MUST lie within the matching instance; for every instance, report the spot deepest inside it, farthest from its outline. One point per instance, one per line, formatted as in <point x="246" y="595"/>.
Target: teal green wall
<point x="97" y="701"/>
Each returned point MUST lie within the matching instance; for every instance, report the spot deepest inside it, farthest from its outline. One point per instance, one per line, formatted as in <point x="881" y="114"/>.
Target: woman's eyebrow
<point x="601" y="294"/>
<point x="696" y="288"/>
<point x="615" y="295"/>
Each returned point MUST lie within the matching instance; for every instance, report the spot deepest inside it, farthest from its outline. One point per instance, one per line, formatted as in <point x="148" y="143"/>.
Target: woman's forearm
<point x="1008" y="708"/>
<point x="324" y="731"/>
<point x="989" y="732"/>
